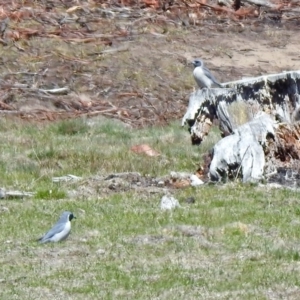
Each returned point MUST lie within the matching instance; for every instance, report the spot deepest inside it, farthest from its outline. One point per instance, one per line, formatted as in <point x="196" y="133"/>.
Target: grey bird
<point x="61" y="230"/>
<point x="203" y="76"/>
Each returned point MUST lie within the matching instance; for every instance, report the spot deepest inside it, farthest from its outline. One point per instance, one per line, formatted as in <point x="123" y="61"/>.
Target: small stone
<point x="161" y="183"/>
<point x="190" y="200"/>
<point x="4" y="209"/>
<point x="100" y="251"/>
<point x="112" y="186"/>
<point x="168" y="203"/>
<point x="2" y="193"/>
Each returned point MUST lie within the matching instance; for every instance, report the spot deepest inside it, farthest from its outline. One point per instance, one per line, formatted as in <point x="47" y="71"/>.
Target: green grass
<point x="75" y="147"/>
<point x="235" y="242"/>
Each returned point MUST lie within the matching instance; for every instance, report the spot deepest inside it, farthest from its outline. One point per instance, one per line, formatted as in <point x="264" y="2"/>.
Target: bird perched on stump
<point x="61" y="230"/>
<point x="203" y="76"/>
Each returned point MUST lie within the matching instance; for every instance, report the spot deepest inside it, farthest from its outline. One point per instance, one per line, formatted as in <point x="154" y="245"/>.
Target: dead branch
<point x="10" y="112"/>
<point x="59" y="91"/>
<point x="20" y="73"/>
<point x="111" y="51"/>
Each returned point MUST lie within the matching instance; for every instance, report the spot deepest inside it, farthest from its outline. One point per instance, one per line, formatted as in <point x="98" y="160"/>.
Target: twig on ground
<point x="111" y="51"/>
<point x="58" y="91"/>
<point x="20" y="73"/>
<point x="10" y="112"/>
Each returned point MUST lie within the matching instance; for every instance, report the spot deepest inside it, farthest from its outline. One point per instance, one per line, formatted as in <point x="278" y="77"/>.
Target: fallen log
<point x="258" y="120"/>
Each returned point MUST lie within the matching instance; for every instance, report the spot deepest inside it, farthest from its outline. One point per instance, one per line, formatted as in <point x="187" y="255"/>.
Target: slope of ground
<point x="132" y="62"/>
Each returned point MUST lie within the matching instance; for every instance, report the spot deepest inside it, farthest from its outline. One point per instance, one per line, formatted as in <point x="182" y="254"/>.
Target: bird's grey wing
<point x="211" y="76"/>
<point x="57" y="228"/>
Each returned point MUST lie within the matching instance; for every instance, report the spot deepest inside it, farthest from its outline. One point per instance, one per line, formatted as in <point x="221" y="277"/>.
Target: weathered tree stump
<point x="259" y="124"/>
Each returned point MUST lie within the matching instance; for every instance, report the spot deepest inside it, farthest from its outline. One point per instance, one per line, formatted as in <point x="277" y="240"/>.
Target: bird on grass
<point x="203" y="76"/>
<point x="61" y="230"/>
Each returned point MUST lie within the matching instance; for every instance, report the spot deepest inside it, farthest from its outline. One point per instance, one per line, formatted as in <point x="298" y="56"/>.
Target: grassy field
<point x="235" y="242"/>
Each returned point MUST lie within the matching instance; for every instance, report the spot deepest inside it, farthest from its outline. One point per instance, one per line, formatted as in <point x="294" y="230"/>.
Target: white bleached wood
<point x="268" y="100"/>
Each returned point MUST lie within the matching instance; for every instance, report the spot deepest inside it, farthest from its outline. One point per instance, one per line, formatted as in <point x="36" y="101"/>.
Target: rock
<point x="100" y="251"/>
<point x="168" y="202"/>
<point x="2" y="193"/>
<point x="190" y="200"/>
<point x="161" y="183"/>
<point x="4" y="209"/>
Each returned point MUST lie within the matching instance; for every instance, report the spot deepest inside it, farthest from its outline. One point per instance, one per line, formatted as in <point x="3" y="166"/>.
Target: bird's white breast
<point x="201" y="79"/>
<point x="60" y="236"/>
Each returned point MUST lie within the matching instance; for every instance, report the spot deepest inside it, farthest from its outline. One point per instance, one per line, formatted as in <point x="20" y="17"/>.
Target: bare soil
<point x="132" y="61"/>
